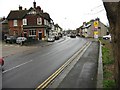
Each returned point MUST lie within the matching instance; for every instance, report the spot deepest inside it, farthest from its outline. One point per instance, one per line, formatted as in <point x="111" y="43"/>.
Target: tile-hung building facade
<point x="32" y="23"/>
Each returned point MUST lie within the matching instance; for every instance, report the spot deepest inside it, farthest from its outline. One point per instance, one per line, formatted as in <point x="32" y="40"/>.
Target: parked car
<point x="10" y="39"/>
<point x="57" y="37"/>
<point x="1" y="61"/>
<point x="107" y="37"/>
<point x="51" y="39"/>
<point x="21" y="40"/>
<point x="73" y="35"/>
<point x="68" y="35"/>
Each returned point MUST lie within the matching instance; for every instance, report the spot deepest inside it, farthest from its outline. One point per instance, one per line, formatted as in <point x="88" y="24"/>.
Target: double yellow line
<point x="54" y="75"/>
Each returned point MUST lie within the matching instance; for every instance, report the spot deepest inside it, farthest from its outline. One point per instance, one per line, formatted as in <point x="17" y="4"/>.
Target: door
<point x="40" y="36"/>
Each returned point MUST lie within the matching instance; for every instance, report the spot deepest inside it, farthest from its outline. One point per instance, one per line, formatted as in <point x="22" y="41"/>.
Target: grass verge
<point x="108" y="65"/>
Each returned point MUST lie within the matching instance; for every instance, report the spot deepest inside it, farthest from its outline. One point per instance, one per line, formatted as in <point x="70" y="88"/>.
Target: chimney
<point x="42" y="11"/>
<point x="25" y="8"/>
<point x="4" y="18"/>
<point x="38" y="8"/>
<point x="20" y="7"/>
<point x="34" y="4"/>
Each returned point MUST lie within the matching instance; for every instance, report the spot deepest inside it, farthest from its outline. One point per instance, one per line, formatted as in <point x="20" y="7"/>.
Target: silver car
<point x="51" y="39"/>
<point x="21" y="40"/>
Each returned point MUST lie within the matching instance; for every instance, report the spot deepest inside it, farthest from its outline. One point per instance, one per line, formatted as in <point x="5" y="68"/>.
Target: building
<point x="93" y="29"/>
<point x="32" y="23"/>
<point x="4" y="31"/>
<point x="58" y="29"/>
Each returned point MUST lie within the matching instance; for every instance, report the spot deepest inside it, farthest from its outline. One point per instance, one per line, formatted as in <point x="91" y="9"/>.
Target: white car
<point x="107" y="37"/>
<point x="20" y="40"/>
<point x="51" y="39"/>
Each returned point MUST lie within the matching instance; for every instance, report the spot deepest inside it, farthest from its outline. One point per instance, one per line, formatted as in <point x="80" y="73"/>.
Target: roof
<point x="47" y="16"/>
<point x="18" y="14"/>
<point x="56" y="25"/>
<point x="5" y="21"/>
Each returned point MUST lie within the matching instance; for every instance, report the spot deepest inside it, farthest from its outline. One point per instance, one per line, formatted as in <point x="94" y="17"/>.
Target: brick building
<point x="32" y="23"/>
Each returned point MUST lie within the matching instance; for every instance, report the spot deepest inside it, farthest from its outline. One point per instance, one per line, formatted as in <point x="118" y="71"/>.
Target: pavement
<point x="86" y="73"/>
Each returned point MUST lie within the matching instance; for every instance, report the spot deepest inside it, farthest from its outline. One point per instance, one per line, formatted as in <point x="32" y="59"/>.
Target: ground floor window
<point x="32" y="32"/>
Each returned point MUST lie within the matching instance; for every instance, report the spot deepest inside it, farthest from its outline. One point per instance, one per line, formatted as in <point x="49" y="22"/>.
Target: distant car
<point x="21" y="40"/>
<point x="107" y="37"/>
<point x="68" y="35"/>
<point x="51" y="39"/>
<point x="10" y="39"/>
<point x="73" y="35"/>
<point x="1" y="62"/>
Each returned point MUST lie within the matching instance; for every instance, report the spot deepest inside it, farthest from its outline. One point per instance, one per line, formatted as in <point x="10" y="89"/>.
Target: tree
<point x="113" y="13"/>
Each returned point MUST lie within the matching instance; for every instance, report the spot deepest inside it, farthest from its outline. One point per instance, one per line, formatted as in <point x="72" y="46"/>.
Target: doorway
<point x="40" y="35"/>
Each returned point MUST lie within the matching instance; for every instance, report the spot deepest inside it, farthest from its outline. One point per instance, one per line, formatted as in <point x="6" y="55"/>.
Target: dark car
<point x="10" y="39"/>
<point x="57" y="37"/>
<point x="73" y="35"/>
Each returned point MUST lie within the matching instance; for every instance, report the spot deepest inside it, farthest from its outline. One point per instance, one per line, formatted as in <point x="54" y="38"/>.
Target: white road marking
<point x="16" y="66"/>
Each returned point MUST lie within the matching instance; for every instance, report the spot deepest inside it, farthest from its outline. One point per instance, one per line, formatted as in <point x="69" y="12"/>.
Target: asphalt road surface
<point x="30" y="68"/>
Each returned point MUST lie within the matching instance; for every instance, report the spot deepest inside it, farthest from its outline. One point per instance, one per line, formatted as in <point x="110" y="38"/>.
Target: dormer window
<point x="24" y="21"/>
<point x="32" y="12"/>
<point x="39" y="21"/>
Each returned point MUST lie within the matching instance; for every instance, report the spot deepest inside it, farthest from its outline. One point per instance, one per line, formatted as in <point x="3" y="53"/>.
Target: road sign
<point x="96" y="24"/>
<point x="95" y="34"/>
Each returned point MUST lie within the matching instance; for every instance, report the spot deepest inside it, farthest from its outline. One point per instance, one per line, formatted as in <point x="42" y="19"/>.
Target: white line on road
<point x="16" y="66"/>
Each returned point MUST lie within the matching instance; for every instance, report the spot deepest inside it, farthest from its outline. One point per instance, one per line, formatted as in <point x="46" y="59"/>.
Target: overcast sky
<point x="69" y="14"/>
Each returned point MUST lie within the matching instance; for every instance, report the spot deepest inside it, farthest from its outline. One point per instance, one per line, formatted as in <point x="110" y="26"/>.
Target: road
<point x="30" y="68"/>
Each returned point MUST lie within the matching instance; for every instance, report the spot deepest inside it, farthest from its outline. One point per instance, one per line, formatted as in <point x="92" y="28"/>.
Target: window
<point x="39" y="21"/>
<point x="32" y="12"/>
<point x="15" y="22"/>
<point x="24" y="21"/>
<point x="44" y="32"/>
<point x="45" y="22"/>
<point x="32" y="32"/>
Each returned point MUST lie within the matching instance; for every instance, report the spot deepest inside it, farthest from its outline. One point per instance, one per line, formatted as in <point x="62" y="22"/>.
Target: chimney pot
<point x="34" y="4"/>
<point x="20" y="7"/>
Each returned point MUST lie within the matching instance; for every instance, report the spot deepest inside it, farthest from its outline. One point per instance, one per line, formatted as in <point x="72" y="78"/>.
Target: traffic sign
<point x="96" y="24"/>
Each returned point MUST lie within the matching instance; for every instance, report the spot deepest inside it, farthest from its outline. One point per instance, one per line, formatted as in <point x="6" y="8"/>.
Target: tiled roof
<point x="4" y="22"/>
<point x="18" y="14"/>
<point x="47" y="16"/>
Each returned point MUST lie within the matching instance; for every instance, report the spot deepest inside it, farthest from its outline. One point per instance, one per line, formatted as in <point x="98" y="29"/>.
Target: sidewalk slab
<point x="84" y="72"/>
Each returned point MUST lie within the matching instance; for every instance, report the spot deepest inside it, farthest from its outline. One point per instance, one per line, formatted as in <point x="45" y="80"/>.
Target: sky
<point x="69" y="14"/>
